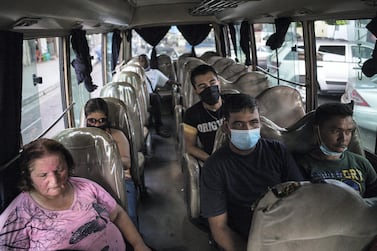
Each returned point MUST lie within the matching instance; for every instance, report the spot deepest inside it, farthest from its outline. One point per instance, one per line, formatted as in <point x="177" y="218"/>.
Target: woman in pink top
<point x="56" y="211"/>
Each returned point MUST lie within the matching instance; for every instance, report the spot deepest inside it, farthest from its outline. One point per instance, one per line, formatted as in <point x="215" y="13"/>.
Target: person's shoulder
<point x="116" y="133"/>
<point x="272" y="143"/>
<point x="357" y="157"/>
<point x="195" y="108"/>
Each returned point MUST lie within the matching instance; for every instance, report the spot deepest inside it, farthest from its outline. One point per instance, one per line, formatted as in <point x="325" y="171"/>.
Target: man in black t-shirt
<point x="237" y="174"/>
<point x="204" y="118"/>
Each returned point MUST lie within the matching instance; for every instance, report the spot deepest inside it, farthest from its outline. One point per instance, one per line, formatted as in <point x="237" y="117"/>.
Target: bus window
<point x="345" y="45"/>
<point x="41" y="93"/>
<point x="79" y="94"/>
<point x="286" y="64"/>
<point x="109" y="37"/>
<point x="173" y="44"/>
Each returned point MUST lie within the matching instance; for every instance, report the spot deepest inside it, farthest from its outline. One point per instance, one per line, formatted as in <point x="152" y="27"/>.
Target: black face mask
<point x="210" y="95"/>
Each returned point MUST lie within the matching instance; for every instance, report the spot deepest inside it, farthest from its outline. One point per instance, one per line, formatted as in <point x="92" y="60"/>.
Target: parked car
<point x="363" y="94"/>
<point x="338" y="62"/>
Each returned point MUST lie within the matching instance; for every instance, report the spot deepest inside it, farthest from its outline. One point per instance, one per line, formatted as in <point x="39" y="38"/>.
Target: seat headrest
<point x="297" y="216"/>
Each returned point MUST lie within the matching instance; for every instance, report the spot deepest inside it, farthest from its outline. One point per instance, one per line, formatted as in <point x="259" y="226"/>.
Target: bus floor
<point x="163" y="220"/>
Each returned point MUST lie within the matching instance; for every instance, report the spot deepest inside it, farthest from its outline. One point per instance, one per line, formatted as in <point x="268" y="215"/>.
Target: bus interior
<point x="292" y="55"/>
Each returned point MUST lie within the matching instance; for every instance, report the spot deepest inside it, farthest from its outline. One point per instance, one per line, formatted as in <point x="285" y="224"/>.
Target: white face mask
<point x="244" y="139"/>
<point x="326" y="151"/>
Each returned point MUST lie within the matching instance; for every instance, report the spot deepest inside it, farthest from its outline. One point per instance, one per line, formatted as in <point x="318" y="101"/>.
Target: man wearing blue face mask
<point x="238" y="173"/>
<point x="331" y="159"/>
<point x="204" y="118"/>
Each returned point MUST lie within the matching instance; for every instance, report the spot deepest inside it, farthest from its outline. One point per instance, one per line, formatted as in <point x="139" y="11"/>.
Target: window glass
<point x="345" y="45"/>
<point x="109" y="38"/>
<point x="286" y="64"/>
<point x="41" y="93"/>
<point x="173" y="44"/>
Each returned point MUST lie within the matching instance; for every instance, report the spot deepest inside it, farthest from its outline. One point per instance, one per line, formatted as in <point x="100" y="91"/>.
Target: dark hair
<point x="96" y="105"/>
<point x="201" y="70"/>
<point x="36" y="150"/>
<point x="237" y="102"/>
<point x="329" y="110"/>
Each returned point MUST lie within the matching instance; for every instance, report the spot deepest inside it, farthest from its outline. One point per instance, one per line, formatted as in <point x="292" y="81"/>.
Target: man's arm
<point x="190" y="135"/>
<point x="224" y="236"/>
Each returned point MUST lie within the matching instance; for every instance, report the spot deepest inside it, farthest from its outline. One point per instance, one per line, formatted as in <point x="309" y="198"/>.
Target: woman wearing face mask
<point x="96" y="114"/>
<point x="331" y="159"/>
<point x="237" y="174"/>
<point x="203" y="119"/>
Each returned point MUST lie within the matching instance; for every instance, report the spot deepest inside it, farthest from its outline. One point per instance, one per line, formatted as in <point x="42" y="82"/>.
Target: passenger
<point x="96" y="115"/>
<point x="155" y="78"/>
<point x="55" y="211"/>
<point x="237" y="174"/>
<point x="331" y="159"/>
<point x="203" y="119"/>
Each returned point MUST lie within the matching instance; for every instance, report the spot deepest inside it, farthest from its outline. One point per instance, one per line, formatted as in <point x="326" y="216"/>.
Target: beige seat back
<point x="313" y="217"/>
<point x="97" y="158"/>
<point x="222" y="63"/>
<point x="206" y="55"/>
<point x="123" y="111"/>
<point x="233" y="71"/>
<point x="140" y="87"/>
<point x="281" y="104"/>
<point x="212" y="60"/>
<point x="252" y="83"/>
<point x="165" y="65"/>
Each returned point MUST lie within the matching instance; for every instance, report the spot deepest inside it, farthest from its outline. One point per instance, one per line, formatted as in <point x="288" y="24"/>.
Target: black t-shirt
<point x="205" y="122"/>
<point x="232" y="183"/>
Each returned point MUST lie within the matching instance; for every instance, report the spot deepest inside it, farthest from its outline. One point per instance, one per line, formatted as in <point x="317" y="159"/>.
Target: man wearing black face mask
<point x="204" y="118"/>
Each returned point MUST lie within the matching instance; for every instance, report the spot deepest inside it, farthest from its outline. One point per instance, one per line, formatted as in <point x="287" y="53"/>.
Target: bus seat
<point x="281" y="104"/>
<point x="212" y="60"/>
<point x="166" y="66"/>
<point x="222" y="63"/>
<point x="182" y="59"/>
<point x="191" y="172"/>
<point x="189" y="96"/>
<point x="121" y="118"/>
<point x="206" y="55"/>
<point x="252" y="83"/>
<point x="96" y="157"/>
<point x="303" y="131"/>
<point x="233" y="71"/>
<point x="295" y="216"/>
<point x="141" y="91"/>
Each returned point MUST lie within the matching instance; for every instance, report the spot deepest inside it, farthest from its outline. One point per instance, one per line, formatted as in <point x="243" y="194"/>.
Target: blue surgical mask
<point x="244" y="139"/>
<point x="326" y="151"/>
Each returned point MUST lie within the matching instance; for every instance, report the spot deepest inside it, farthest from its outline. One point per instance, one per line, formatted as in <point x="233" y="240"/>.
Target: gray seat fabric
<point x="233" y="71"/>
<point x="97" y="158"/>
<point x="281" y="104"/>
<point x="212" y="60"/>
<point x="206" y="55"/>
<point x="313" y="217"/>
<point x="165" y="65"/>
<point x="222" y="63"/>
<point x="252" y="83"/>
<point x="141" y="91"/>
<point x="122" y="118"/>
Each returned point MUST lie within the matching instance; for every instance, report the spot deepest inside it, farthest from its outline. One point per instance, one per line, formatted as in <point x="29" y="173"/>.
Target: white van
<point x="338" y="62"/>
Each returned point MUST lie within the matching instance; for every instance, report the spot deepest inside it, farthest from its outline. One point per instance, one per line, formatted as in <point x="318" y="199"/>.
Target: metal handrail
<point x="275" y="77"/>
<point x="6" y="165"/>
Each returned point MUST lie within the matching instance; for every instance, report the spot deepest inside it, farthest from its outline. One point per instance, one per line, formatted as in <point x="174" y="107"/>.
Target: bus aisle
<point x="163" y="217"/>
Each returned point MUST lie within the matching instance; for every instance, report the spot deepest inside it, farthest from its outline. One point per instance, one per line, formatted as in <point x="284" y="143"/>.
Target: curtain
<point x="194" y="34"/>
<point x="245" y="41"/>
<point x="115" y="48"/>
<point x="276" y="40"/>
<point x="232" y="31"/>
<point x="222" y="41"/>
<point x="10" y="111"/>
<point x="82" y="63"/>
<point x="153" y="35"/>
<point x="10" y="94"/>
